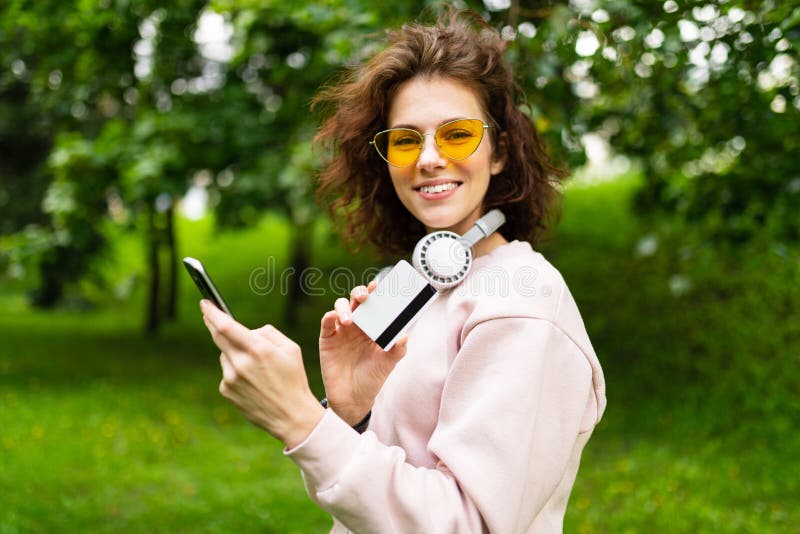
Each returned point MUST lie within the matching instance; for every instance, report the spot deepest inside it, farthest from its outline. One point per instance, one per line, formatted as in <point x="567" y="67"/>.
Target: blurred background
<point x="135" y="132"/>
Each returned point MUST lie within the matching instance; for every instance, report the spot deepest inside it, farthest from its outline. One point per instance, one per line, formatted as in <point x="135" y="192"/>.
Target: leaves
<point x="703" y="94"/>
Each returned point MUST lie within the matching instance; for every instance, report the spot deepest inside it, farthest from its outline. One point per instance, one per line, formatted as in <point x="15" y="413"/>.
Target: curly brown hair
<point x="354" y="181"/>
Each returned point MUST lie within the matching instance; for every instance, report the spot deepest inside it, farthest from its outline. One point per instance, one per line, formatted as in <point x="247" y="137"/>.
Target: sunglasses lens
<point x="459" y="139"/>
<point x="399" y="146"/>
<point x="456" y="140"/>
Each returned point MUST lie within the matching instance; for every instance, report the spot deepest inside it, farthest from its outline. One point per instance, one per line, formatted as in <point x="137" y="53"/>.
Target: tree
<point x="143" y="128"/>
<point x="46" y="87"/>
<point x="704" y="95"/>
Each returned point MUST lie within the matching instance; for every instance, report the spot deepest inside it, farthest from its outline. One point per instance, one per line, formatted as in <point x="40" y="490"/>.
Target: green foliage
<point x="704" y="95"/>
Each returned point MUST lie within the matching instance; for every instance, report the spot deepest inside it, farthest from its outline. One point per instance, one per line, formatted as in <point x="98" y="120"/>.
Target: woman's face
<point x="456" y="202"/>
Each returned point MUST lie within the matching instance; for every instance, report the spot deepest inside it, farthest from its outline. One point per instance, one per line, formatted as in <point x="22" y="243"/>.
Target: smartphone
<point x="204" y="283"/>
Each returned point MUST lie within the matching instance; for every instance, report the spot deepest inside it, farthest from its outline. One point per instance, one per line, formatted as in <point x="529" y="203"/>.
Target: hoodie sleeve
<point x="509" y="426"/>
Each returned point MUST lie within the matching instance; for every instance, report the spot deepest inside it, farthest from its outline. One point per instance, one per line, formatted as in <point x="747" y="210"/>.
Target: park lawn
<point x="104" y="430"/>
<point x="700" y="353"/>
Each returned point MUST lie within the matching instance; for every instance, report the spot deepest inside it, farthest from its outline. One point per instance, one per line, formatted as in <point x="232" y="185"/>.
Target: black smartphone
<point x="204" y="283"/>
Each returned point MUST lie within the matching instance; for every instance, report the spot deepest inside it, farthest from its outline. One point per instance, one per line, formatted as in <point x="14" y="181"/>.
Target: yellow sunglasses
<point x="457" y="140"/>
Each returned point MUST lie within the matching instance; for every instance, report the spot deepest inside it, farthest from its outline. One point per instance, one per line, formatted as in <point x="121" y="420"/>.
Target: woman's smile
<point x="439" y="189"/>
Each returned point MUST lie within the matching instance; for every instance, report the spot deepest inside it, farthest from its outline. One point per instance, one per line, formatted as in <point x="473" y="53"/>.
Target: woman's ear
<point x="499" y="155"/>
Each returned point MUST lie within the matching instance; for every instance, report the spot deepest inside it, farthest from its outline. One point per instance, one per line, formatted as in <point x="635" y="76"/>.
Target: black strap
<point x="361" y="426"/>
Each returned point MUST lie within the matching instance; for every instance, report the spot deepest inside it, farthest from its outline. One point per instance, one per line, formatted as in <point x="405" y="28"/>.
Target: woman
<point x="477" y="420"/>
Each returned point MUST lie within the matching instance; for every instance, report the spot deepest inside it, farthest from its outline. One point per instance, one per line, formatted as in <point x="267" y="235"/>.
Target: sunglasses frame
<point x="422" y="137"/>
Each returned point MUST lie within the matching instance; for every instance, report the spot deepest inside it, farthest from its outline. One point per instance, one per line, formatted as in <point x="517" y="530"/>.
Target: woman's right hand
<point x="353" y="366"/>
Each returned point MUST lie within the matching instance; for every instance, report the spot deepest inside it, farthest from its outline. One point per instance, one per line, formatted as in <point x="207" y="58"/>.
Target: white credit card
<point x="400" y="297"/>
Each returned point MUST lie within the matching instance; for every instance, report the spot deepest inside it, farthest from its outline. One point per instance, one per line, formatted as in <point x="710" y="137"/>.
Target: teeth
<point x="438" y="188"/>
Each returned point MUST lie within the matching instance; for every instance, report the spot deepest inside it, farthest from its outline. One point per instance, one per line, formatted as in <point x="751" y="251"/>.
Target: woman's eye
<point x="457" y="135"/>
<point x="407" y="141"/>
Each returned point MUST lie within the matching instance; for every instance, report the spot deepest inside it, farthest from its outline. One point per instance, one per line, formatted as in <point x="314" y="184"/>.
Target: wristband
<point x="361" y="426"/>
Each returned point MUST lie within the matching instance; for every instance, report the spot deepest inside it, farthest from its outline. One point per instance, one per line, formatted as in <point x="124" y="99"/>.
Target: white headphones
<point x="444" y="258"/>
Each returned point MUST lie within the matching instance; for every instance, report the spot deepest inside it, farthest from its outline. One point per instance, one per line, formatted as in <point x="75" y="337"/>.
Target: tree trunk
<point x="172" y="271"/>
<point x="153" y="309"/>
<point x="300" y="260"/>
<point x="513" y="14"/>
<point x="51" y="287"/>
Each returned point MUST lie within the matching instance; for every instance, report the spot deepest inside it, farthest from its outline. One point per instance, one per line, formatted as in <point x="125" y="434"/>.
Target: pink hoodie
<point x="481" y="425"/>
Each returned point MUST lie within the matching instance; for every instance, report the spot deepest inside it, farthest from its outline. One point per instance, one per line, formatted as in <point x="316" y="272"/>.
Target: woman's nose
<point x="430" y="158"/>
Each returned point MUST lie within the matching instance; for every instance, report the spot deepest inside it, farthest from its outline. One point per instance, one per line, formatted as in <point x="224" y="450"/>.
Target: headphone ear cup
<point x="416" y="258"/>
<point x="442" y="259"/>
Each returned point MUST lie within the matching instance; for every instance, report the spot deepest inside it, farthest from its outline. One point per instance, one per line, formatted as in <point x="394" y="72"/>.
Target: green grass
<point x="104" y="430"/>
<point x="702" y="385"/>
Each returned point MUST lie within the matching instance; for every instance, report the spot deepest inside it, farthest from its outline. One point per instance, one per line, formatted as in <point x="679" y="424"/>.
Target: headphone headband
<point x="484" y="227"/>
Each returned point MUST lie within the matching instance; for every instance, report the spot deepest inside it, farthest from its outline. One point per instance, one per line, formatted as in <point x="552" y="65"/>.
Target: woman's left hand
<point x="353" y="366"/>
<point x="263" y="375"/>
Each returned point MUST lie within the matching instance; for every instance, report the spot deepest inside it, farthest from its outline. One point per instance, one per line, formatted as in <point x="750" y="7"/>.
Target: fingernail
<point x="345" y="317"/>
